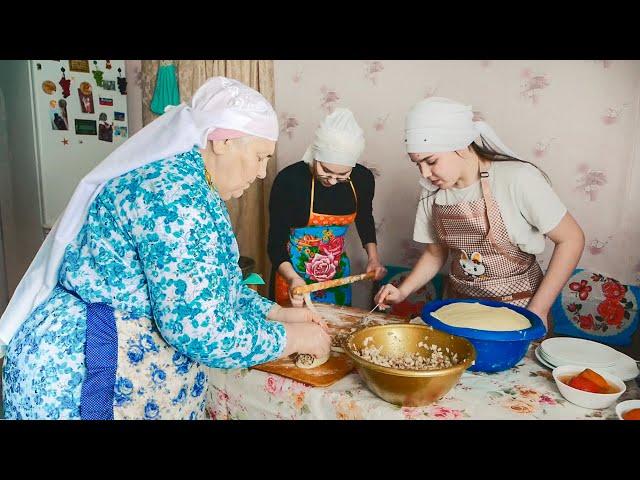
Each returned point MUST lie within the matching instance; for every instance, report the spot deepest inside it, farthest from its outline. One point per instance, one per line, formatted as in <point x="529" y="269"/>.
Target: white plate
<point x="554" y="361"/>
<point x="625" y="368"/>
<point x="579" y="351"/>
<point x="542" y="360"/>
<point x="541" y="354"/>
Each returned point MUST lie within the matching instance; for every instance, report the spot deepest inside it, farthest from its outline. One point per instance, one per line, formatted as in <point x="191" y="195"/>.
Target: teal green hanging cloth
<point x="166" y="92"/>
<point x="253" y="279"/>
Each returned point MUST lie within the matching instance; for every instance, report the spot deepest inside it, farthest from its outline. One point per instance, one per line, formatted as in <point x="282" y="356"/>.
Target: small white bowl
<point x="625" y="406"/>
<point x="587" y="399"/>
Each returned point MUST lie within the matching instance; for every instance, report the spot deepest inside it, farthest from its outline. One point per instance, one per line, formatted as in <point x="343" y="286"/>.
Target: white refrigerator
<point x="61" y="118"/>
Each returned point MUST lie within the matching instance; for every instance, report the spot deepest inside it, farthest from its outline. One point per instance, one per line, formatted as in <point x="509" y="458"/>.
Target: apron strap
<point x="491" y="209"/>
<point x="313" y="185"/>
<point x="355" y="195"/>
<point x="488" y="200"/>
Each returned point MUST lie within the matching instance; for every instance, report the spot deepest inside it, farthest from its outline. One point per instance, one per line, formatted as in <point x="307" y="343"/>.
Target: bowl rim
<point x="618" y="407"/>
<point x="607" y="376"/>
<point x="359" y="361"/>
<point x="536" y="331"/>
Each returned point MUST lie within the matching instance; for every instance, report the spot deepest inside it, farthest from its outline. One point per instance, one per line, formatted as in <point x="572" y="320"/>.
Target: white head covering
<point x="339" y="139"/>
<point x="219" y="103"/>
<point x="439" y="124"/>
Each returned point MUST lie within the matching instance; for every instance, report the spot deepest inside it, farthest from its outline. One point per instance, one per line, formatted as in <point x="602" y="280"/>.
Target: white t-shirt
<point x="528" y="205"/>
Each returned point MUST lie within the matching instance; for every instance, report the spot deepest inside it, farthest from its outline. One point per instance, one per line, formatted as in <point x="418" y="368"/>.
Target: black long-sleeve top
<point x="290" y="201"/>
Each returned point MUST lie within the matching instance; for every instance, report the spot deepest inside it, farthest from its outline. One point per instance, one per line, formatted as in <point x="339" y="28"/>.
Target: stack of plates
<point x="555" y="352"/>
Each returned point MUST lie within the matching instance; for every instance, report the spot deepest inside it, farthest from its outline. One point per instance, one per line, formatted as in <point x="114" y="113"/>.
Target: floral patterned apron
<point x="132" y="373"/>
<point x="317" y="254"/>
<point x="485" y="263"/>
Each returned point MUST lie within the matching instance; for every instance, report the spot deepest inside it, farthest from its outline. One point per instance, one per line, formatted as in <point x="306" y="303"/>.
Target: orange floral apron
<point x="317" y="254"/>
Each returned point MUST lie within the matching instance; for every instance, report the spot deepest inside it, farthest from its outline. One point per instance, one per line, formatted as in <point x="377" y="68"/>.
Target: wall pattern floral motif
<point x="577" y="120"/>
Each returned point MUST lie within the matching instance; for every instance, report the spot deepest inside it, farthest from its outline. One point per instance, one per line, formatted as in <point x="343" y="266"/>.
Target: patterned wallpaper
<point x="577" y="120"/>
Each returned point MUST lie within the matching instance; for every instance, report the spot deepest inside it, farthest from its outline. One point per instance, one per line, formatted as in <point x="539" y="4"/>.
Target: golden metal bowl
<point x="411" y="388"/>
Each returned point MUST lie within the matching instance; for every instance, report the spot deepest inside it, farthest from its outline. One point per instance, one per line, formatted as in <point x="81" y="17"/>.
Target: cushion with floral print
<point x="596" y="307"/>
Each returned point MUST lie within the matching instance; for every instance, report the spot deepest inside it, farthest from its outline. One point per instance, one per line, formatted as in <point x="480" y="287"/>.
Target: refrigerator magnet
<point x="79" y="66"/>
<point x="102" y="117"/>
<point x="97" y="73"/>
<point x="48" y="87"/>
<point x="85" y="127"/>
<point x="58" y="115"/>
<point x="62" y="106"/>
<point x="106" y="102"/>
<point x="119" y="116"/>
<point x="105" y="132"/>
<point x="86" y="97"/>
<point x="122" y="83"/>
<point x="120" y="132"/>
<point x="109" y="84"/>
<point x="65" y="84"/>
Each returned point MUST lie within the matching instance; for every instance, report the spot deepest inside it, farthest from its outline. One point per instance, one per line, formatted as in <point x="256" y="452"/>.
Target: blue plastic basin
<point x="495" y="351"/>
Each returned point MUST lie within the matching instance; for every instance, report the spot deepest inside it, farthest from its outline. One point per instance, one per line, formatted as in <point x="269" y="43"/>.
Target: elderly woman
<point x="137" y="289"/>
<point x="313" y="202"/>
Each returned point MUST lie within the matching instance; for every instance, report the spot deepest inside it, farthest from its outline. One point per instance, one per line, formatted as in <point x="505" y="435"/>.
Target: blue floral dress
<point x="150" y="293"/>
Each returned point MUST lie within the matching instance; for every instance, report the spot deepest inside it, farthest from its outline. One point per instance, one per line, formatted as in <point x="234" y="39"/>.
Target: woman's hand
<point x="373" y="265"/>
<point x="544" y="316"/>
<point x="306" y="337"/>
<point x="389" y="293"/>
<point x="296" y="300"/>
<point x="301" y="315"/>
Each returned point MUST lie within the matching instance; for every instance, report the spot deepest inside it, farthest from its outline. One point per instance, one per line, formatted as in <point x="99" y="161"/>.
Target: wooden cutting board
<point x="337" y="367"/>
<point x="340" y="320"/>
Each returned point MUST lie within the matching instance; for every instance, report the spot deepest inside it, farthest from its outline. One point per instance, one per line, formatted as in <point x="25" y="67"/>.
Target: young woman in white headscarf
<point x="487" y="208"/>
<point x="137" y="288"/>
<point x="313" y="202"/>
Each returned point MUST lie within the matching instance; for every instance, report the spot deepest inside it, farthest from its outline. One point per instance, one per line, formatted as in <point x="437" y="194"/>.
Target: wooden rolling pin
<point x="314" y="287"/>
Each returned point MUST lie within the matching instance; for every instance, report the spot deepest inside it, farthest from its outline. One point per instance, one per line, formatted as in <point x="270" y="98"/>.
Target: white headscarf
<point x="219" y="103"/>
<point x="439" y="124"/>
<point x="339" y="140"/>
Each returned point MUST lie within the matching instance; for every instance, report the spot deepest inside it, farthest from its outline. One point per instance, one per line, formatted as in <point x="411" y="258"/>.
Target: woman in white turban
<point x="137" y="288"/>
<point x="312" y="204"/>
<point x="486" y="207"/>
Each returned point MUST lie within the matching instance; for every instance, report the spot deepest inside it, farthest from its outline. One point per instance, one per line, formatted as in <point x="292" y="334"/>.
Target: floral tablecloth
<point x="527" y="391"/>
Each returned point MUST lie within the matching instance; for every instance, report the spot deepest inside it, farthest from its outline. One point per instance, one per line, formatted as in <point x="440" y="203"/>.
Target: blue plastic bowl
<point x="495" y="351"/>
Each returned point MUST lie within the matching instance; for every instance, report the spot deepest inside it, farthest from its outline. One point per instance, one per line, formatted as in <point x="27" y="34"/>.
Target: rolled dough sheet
<point x="328" y="317"/>
<point x="481" y="317"/>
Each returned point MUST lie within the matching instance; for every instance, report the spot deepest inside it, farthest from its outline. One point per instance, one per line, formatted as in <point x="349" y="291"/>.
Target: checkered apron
<point x="510" y="275"/>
